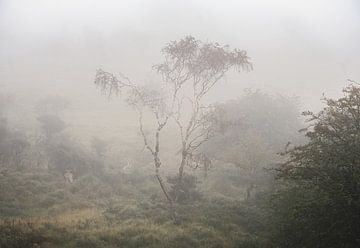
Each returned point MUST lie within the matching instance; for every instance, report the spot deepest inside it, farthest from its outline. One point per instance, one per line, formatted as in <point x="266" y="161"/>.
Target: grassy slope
<point x="40" y="210"/>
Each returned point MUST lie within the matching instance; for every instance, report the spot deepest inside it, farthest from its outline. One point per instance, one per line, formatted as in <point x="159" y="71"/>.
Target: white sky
<point x="298" y="47"/>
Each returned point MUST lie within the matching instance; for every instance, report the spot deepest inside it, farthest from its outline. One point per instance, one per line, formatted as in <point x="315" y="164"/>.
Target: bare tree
<point x="143" y="99"/>
<point x="196" y="67"/>
<point x="191" y="68"/>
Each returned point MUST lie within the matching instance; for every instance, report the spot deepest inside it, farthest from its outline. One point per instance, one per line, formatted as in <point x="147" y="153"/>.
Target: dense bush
<point x="186" y="190"/>
<point x="319" y="203"/>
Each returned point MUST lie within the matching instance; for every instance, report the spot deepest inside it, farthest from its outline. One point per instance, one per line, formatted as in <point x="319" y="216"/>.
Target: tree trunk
<point x="182" y="165"/>
<point x="168" y="197"/>
<point x="180" y="175"/>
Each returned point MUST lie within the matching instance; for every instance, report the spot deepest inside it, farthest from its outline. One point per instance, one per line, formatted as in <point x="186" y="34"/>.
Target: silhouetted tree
<point x="51" y="125"/>
<point x="253" y="129"/>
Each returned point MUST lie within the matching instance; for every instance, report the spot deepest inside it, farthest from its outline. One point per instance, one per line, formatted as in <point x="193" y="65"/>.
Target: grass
<point x="211" y="225"/>
<point x="40" y="210"/>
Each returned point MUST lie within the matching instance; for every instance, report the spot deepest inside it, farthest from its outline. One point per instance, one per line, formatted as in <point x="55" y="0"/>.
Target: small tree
<point x="51" y="126"/>
<point x="320" y="205"/>
<point x="48" y="110"/>
<point x="191" y="68"/>
<point x="254" y="128"/>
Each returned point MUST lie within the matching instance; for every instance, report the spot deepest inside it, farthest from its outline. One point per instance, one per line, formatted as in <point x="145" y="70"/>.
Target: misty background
<point x="56" y="46"/>
<point x="177" y="158"/>
<point x="53" y="48"/>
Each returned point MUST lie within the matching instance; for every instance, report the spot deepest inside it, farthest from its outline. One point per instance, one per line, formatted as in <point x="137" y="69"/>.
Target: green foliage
<point x="320" y="205"/>
<point x="184" y="191"/>
<point x="212" y="224"/>
<point x="15" y="235"/>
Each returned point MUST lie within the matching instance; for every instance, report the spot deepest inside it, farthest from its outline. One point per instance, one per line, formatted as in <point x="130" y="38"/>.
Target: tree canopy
<point x="321" y="205"/>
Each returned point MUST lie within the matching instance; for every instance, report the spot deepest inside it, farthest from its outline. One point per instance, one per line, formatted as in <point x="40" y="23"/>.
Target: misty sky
<point x="297" y="47"/>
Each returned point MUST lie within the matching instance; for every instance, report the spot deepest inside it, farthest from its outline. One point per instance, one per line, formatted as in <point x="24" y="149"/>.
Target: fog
<point x="294" y="46"/>
<point x="299" y="52"/>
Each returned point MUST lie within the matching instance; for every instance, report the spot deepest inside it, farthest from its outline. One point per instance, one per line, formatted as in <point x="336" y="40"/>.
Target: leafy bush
<point x="185" y="191"/>
<point x="318" y="205"/>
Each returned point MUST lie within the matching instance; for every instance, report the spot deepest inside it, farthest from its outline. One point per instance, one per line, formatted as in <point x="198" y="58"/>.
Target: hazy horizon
<point x="55" y="46"/>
